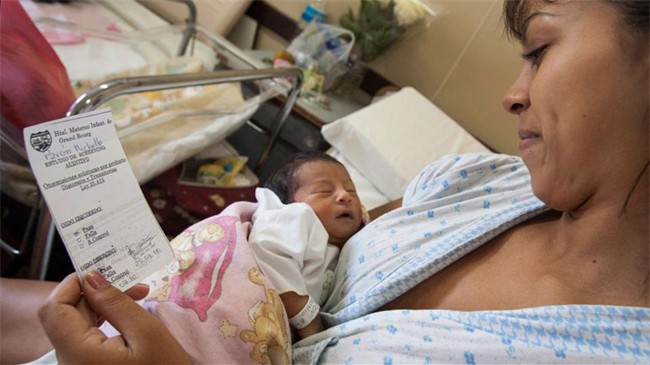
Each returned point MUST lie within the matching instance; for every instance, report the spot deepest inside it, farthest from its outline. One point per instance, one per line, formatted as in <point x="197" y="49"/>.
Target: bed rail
<point x="242" y="68"/>
<point x="190" y="25"/>
<point x="110" y="89"/>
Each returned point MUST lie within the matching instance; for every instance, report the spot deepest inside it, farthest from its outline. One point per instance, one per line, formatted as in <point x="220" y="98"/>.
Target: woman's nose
<point x="516" y="98"/>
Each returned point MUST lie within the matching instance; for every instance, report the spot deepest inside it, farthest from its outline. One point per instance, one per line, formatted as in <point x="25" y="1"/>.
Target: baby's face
<point x="329" y="191"/>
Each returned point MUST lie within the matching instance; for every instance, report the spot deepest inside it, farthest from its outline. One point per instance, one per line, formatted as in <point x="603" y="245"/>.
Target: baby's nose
<point x="343" y="196"/>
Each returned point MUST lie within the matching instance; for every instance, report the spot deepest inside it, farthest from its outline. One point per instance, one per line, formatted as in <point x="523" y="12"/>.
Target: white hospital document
<point x="95" y="200"/>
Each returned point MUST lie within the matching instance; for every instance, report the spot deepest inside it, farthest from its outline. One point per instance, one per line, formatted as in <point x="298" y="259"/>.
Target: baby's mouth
<point x="345" y="215"/>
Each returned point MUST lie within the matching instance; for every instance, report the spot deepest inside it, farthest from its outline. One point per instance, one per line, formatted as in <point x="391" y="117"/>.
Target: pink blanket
<point x="215" y="300"/>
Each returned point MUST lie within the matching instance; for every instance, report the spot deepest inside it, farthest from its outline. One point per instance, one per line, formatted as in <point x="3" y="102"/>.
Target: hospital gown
<point x="450" y="209"/>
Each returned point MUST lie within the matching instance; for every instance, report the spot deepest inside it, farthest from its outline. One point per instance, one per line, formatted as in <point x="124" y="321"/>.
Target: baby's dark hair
<point x="283" y="182"/>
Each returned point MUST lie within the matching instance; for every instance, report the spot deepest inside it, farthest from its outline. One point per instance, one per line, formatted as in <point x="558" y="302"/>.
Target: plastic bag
<point x="323" y="47"/>
<point x="35" y="87"/>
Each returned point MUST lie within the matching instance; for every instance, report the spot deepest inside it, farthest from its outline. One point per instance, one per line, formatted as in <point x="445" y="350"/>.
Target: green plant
<point x="375" y="27"/>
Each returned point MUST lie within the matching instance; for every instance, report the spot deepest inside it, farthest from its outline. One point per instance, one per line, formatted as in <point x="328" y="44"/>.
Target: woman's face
<point x="582" y="101"/>
<point x="328" y="189"/>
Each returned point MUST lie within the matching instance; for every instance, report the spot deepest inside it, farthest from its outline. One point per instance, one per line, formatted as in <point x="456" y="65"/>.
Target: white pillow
<point x="392" y="140"/>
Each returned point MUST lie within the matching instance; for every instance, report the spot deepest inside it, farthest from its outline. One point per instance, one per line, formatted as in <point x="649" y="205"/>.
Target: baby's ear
<point x="365" y="217"/>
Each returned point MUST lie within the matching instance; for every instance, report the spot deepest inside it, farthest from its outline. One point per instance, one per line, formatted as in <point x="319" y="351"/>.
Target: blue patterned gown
<point x="450" y="209"/>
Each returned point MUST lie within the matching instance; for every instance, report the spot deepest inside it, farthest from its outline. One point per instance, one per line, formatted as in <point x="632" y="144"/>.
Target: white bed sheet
<point x="116" y="17"/>
<point x="105" y="39"/>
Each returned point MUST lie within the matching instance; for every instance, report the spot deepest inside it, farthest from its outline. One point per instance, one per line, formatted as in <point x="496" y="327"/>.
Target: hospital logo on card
<point x="41" y="141"/>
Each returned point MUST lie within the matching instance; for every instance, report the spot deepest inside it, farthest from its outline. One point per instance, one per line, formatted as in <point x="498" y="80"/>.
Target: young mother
<point x="489" y="260"/>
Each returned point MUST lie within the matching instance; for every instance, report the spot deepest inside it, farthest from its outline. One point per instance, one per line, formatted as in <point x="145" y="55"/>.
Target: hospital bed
<point x="174" y="90"/>
<point x="383" y="145"/>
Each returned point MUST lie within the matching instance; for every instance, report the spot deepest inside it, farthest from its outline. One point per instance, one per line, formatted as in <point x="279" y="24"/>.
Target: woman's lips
<point x="527" y="139"/>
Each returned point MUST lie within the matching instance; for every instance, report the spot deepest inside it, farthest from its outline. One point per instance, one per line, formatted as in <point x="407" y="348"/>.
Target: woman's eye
<point x="535" y="56"/>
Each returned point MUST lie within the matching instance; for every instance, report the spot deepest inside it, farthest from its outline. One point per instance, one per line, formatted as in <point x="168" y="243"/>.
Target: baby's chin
<point x="339" y="241"/>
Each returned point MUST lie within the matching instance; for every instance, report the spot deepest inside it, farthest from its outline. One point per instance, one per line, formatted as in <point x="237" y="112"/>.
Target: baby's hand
<point x="294" y="304"/>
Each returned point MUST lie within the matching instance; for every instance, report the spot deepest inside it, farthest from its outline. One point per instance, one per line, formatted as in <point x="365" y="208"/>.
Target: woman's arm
<point x="23" y="337"/>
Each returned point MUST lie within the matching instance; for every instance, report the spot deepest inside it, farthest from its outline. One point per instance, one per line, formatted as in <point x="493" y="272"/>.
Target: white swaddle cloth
<point x="291" y="248"/>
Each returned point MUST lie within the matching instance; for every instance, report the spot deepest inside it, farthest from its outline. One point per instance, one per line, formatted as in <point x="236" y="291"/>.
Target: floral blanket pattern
<point x="215" y="300"/>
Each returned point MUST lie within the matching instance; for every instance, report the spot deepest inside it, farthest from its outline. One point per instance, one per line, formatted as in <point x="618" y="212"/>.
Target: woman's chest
<point x="503" y="274"/>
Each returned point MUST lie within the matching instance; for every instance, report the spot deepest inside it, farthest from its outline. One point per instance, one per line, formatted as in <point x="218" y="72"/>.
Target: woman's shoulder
<point x="473" y="161"/>
<point x="457" y="174"/>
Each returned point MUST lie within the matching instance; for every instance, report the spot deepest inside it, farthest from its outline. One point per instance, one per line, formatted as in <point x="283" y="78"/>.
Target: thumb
<point x="65" y="308"/>
<point x="115" y="306"/>
<point x="145" y="335"/>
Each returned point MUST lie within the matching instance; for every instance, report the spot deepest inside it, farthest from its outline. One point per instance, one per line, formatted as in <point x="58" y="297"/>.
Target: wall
<point x="461" y="62"/>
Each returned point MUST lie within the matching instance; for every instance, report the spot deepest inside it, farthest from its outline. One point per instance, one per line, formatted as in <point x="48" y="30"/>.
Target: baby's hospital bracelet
<point x="306" y="315"/>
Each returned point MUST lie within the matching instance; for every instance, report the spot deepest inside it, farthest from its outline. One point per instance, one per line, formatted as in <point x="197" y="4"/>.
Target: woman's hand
<point x="71" y="322"/>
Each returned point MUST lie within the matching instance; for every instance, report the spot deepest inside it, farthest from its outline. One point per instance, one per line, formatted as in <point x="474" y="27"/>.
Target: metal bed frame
<point x="40" y="218"/>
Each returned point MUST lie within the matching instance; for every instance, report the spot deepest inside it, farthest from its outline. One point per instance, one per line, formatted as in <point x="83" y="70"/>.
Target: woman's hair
<point x="634" y="14"/>
<point x="283" y="182"/>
